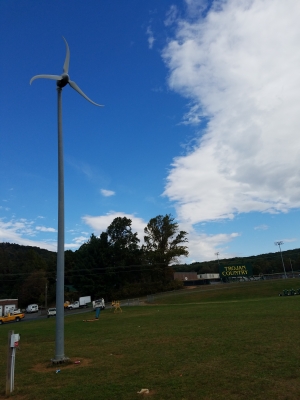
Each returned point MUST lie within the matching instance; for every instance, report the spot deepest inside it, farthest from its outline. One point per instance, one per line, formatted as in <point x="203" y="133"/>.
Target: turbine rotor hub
<point x="63" y="81"/>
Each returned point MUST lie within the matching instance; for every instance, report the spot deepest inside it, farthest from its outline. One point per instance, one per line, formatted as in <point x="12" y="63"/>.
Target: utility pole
<point x="292" y="267"/>
<point x="217" y="254"/>
<point x="279" y="243"/>
<point x="46" y="295"/>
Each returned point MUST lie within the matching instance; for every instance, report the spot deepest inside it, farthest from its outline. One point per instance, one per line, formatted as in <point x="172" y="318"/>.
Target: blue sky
<point x="201" y="120"/>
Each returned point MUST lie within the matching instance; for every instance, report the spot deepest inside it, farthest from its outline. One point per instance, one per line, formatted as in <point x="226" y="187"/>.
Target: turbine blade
<point x="75" y="87"/>
<point x="53" y="77"/>
<point x="67" y="60"/>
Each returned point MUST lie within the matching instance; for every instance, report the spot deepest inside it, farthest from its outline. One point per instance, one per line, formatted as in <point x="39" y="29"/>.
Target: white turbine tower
<point x="61" y="82"/>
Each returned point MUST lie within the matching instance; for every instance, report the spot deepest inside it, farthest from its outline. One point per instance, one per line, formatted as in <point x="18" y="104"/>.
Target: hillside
<point x="263" y="263"/>
<point x="25" y="271"/>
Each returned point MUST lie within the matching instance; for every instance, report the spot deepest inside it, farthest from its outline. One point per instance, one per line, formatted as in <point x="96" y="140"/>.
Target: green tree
<point x="126" y="252"/>
<point x="33" y="289"/>
<point x="91" y="262"/>
<point x="164" y="243"/>
<point x="121" y="235"/>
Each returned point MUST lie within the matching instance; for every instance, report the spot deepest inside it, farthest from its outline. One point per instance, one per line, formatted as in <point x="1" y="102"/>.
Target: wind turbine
<point x="61" y="81"/>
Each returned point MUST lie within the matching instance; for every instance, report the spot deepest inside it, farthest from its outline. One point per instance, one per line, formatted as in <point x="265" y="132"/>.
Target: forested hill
<point x="22" y="264"/>
<point x="262" y="264"/>
<point x="12" y="254"/>
<point x="112" y="268"/>
<point x="17" y="258"/>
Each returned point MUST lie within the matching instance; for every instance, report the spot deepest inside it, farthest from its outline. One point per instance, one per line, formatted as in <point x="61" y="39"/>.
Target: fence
<point x="130" y="302"/>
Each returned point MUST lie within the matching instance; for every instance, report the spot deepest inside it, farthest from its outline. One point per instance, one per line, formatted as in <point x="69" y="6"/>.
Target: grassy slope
<point x="231" y="292"/>
<point x="224" y="346"/>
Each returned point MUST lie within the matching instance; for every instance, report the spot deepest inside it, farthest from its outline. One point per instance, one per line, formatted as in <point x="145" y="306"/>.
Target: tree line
<point x="262" y="264"/>
<point x="113" y="265"/>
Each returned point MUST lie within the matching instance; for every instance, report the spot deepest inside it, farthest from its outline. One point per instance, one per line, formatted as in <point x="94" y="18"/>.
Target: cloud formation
<point x="45" y="229"/>
<point x="14" y="231"/>
<point x="107" y="193"/>
<point x="100" y="223"/>
<point x="151" y="38"/>
<point x="262" y="227"/>
<point x="201" y="246"/>
<point x="239" y="67"/>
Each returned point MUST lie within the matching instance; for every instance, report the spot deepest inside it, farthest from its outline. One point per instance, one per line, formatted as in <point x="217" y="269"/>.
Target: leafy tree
<point x="33" y="289"/>
<point x="121" y="235"/>
<point x="103" y="264"/>
<point x="125" y="250"/>
<point x="90" y="264"/>
<point x="164" y="243"/>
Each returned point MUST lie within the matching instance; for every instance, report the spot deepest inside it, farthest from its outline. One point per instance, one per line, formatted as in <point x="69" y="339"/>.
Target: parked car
<point x="51" y="312"/>
<point x="32" y="308"/>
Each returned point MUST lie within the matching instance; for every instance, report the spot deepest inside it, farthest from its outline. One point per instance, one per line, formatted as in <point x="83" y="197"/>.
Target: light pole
<point x="279" y="243"/>
<point x="46" y="295"/>
<point x="292" y="267"/>
<point x="217" y="254"/>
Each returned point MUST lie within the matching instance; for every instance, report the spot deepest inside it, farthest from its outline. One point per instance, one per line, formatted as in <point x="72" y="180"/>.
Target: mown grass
<point x="232" y="345"/>
<point x="231" y="292"/>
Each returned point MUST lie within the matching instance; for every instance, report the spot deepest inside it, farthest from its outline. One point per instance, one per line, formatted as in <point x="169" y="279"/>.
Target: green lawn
<point x="230" y="292"/>
<point x="237" y="341"/>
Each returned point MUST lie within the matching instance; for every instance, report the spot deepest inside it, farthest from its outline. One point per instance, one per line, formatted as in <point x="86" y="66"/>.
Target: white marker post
<point x="13" y="343"/>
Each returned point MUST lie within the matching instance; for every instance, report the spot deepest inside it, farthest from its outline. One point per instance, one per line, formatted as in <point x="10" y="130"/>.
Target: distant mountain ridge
<point x="26" y="272"/>
<point x="262" y="264"/>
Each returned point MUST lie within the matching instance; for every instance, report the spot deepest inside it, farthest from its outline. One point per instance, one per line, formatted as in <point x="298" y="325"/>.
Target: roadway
<point x="43" y="313"/>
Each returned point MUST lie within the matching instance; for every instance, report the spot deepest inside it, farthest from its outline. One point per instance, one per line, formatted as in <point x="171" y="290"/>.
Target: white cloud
<point x="45" y="229"/>
<point x="151" y="38"/>
<point x="14" y="231"/>
<point x="290" y="240"/>
<point x="262" y="227"/>
<point x="76" y="242"/>
<point x="80" y="239"/>
<point x="107" y="193"/>
<point x="200" y="246"/>
<point x="81" y="167"/>
<point x="100" y="223"/>
<point x="239" y="67"/>
<point x="171" y="15"/>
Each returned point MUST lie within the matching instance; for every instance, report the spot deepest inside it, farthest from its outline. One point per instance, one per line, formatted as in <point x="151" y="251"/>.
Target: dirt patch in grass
<point x="49" y="367"/>
<point x="151" y="393"/>
<point x="15" y="397"/>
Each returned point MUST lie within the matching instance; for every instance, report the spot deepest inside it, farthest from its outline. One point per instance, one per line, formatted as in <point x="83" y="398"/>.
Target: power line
<point x="121" y="268"/>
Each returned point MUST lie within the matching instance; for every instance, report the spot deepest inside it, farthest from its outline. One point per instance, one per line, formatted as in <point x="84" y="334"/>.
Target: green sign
<point x="235" y="270"/>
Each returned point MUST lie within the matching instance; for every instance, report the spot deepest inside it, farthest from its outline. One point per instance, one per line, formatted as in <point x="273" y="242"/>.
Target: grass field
<point x="235" y="341"/>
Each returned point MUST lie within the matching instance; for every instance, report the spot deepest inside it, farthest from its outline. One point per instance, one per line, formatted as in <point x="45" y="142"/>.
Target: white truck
<point x="82" y="302"/>
<point x="99" y="304"/>
<point x="51" y="312"/>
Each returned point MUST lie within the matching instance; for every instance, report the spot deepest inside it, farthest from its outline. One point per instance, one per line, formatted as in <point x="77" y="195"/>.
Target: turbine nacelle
<point x="64" y="79"/>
